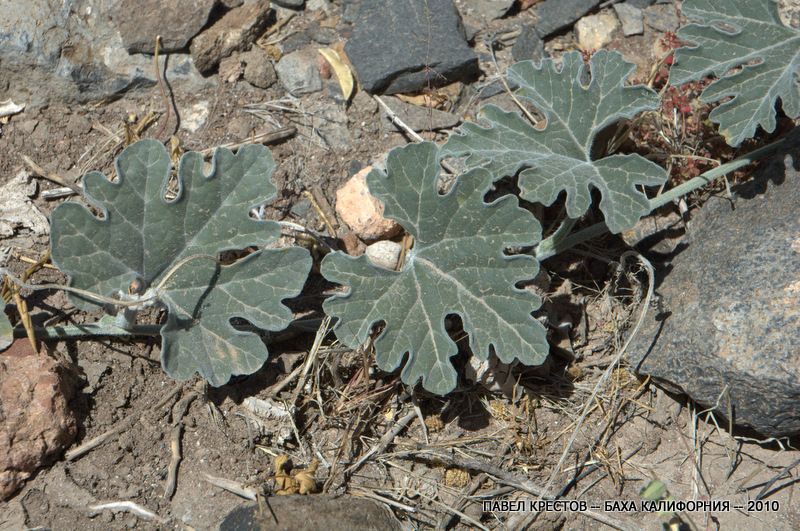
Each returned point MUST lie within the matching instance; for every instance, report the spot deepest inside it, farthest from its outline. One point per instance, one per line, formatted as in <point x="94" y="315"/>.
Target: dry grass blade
<point x="232" y="486"/>
<point x="127" y="507"/>
<point x="384" y="442"/>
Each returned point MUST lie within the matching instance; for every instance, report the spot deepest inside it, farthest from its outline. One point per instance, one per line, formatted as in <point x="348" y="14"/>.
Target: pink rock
<point x="362" y="212"/>
<point x="36" y="423"/>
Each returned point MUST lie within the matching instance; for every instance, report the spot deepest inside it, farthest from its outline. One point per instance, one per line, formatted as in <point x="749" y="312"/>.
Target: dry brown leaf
<point x="343" y="73"/>
<point x="442" y="98"/>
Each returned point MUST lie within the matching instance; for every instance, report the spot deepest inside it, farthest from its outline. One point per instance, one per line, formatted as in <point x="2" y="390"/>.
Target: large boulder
<point x="70" y="51"/>
<point x="728" y="334"/>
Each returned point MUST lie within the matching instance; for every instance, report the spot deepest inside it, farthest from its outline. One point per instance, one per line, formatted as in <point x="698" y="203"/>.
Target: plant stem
<point x="553" y="246"/>
<point x="577" y="238"/>
<point x="715" y="173"/>
<point x="553" y="241"/>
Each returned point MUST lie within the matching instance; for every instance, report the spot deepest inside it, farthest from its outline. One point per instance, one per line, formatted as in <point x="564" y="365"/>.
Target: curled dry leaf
<point x="342" y="71"/>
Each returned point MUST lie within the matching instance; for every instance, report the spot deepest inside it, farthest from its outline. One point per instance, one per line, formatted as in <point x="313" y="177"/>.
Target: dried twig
<point x="232" y="486"/>
<point x="269" y="137"/>
<point x="396" y="120"/>
<point x="127" y="507"/>
<point x="778" y="476"/>
<point x="175" y="460"/>
<point x="319" y="203"/>
<point x="385" y="441"/>
<point x="50" y="176"/>
<point x="175" y="445"/>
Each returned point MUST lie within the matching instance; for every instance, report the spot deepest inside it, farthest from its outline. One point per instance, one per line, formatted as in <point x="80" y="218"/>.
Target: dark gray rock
<point x="237" y="30"/>
<point x="299" y="73"/>
<point x="139" y="21"/>
<point x="641" y="4"/>
<point x="631" y="18"/>
<point x="420" y="118"/>
<point x="662" y="17"/>
<point x="556" y="15"/>
<point x="728" y="334"/>
<point x="405" y="45"/>
<point x="317" y="511"/>
<point x="528" y="46"/>
<point x="258" y="70"/>
<point x="77" y="58"/>
<point x="291" y="4"/>
<point x="487" y="9"/>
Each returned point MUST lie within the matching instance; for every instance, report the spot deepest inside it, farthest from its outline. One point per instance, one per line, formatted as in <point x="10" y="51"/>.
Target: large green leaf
<point x="558" y="157"/>
<point x="457" y="266"/>
<point x="146" y="238"/>
<point x="755" y="57"/>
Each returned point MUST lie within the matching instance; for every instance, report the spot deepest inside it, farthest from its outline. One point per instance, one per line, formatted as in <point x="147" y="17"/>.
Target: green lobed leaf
<point x="746" y="36"/>
<point x="457" y="266"/>
<point x="144" y="237"/>
<point x="6" y="329"/>
<point x="558" y="157"/>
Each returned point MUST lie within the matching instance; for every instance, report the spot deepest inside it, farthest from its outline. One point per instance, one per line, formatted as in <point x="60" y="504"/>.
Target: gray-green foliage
<point x="558" y="157"/>
<point x="6" y="330"/>
<point x="754" y="56"/>
<point x="457" y="266"/>
<point x="144" y="238"/>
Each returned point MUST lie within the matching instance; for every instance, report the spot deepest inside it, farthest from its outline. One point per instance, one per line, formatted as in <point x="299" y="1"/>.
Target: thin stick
<point x="445" y="522"/>
<point x="385" y="441"/>
<point x="175" y="460"/>
<point x="322" y="332"/>
<point x="778" y="476"/>
<point x="456" y="512"/>
<point x="518" y="103"/>
<point x="280" y="386"/>
<point x="312" y="198"/>
<point x="175" y="444"/>
<point x="231" y="486"/>
<point x="127" y="507"/>
<point x="50" y="176"/>
<point x="396" y="119"/>
<point x="387" y="501"/>
<point x="269" y="137"/>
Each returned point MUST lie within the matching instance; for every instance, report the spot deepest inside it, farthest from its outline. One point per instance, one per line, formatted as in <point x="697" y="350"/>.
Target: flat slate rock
<point x="529" y="46"/>
<point x="556" y="15"/>
<point x="419" y="118"/>
<point x="139" y="21"/>
<point x="729" y="329"/>
<point x="407" y="45"/>
<point x="312" y="512"/>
